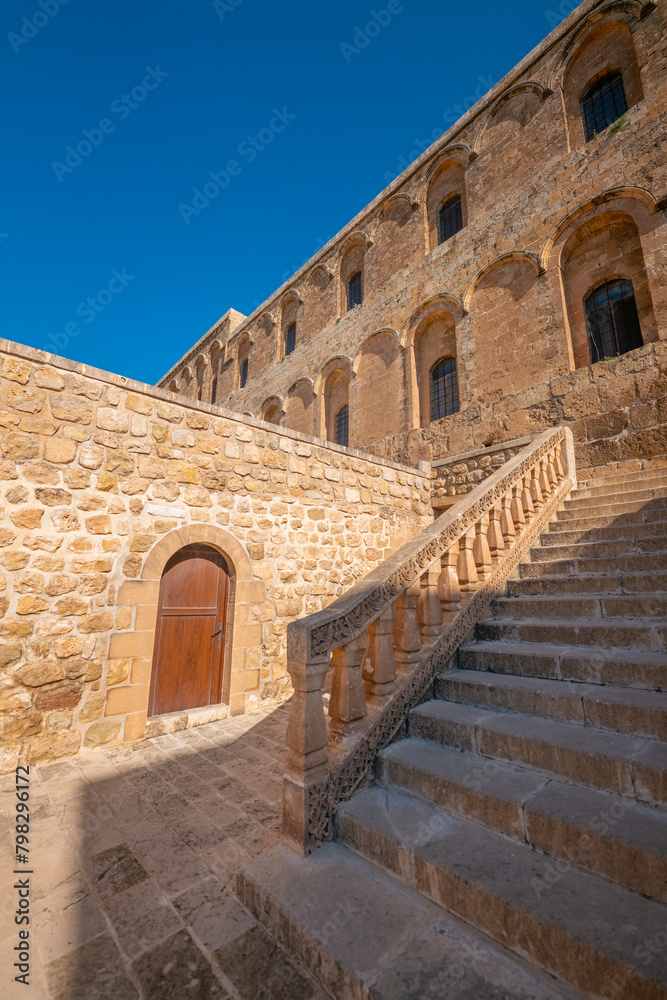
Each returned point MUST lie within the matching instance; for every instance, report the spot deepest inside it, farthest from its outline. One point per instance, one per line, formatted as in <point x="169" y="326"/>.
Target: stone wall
<point x="547" y="219"/>
<point x="453" y="477"/>
<point x="617" y="411"/>
<point x="102" y="481"/>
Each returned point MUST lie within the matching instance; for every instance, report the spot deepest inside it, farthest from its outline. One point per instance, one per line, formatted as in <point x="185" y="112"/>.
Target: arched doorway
<point x="190" y="633"/>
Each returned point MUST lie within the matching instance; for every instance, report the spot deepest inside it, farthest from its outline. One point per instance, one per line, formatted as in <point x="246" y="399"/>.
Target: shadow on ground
<point x="134" y="852"/>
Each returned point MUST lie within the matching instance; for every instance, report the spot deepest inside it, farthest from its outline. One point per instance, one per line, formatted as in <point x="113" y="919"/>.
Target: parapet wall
<point x="103" y="479"/>
<point x="616" y="410"/>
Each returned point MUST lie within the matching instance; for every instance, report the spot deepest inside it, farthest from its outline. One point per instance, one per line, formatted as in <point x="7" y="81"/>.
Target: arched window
<point x="342" y="427"/>
<point x="290" y="338"/>
<point x="612" y="320"/>
<point x="214" y="389"/>
<point x="450" y="218"/>
<point x="244" y="373"/>
<point x="354" y="290"/>
<point x="444" y="389"/>
<point x="603" y="103"/>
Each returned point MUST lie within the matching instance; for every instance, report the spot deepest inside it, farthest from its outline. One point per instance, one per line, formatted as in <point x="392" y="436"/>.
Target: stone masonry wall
<point x="617" y="411"/>
<point x="102" y="480"/>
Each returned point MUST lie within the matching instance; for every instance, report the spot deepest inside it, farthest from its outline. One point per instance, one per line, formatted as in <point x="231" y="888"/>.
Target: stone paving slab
<point x="135" y="852"/>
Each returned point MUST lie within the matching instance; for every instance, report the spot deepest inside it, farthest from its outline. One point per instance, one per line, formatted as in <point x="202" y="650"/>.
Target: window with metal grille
<point x="450" y="218"/>
<point x="214" y="389"/>
<point x="612" y="320"/>
<point x="290" y="338"/>
<point x="603" y="103"/>
<point x="354" y="290"/>
<point x="444" y="389"/>
<point x="244" y="372"/>
<point x="342" y="427"/>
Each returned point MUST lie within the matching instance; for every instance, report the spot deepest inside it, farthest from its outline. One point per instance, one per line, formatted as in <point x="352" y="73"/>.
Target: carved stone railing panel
<point x="394" y="631"/>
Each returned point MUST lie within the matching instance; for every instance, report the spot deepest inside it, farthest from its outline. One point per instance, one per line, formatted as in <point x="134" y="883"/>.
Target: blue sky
<point x="115" y="111"/>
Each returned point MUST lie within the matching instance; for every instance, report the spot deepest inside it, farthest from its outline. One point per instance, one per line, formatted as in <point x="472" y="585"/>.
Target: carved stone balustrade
<point x="390" y="634"/>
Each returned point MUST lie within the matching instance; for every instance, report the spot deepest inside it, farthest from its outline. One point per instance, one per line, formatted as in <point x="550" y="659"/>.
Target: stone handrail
<point x="389" y="635"/>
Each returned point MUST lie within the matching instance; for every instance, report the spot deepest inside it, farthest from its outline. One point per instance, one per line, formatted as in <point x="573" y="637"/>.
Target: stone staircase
<point x="514" y="844"/>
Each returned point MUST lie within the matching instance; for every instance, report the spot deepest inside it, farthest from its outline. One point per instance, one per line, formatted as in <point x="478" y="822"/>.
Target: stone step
<point x="612" y="499"/>
<point x="609" y="513"/>
<point x="647" y="636"/>
<point x="365" y="935"/>
<point x="653" y="472"/>
<point x="655" y="546"/>
<point x="563" y="520"/>
<point x="617" y="484"/>
<point x="577" y="926"/>
<point x="588" y="606"/>
<point x="558" y="535"/>
<point x="618" y="709"/>
<point x="605" y="834"/>
<point x="642" y="564"/>
<point x="619" y="667"/>
<point x="632" y="766"/>
<point x="602" y="583"/>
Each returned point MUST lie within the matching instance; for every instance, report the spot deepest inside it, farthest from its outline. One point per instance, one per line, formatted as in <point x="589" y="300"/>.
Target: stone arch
<point x="379" y="370"/>
<point x="289" y="314"/>
<point x="524" y="256"/>
<point x="627" y="11"/>
<point x="444" y="302"/>
<point x="395" y="199"/>
<point x="433" y="337"/>
<point x="244" y="637"/>
<point x="272" y="410"/>
<point x="604" y="43"/>
<point x="636" y="201"/>
<point x="604" y="246"/>
<point x="243" y="356"/>
<point x="446" y="181"/>
<point x="173" y="386"/>
<point x="352" y="259"/>
<point x="334" y="389"/>
<point x="506" y="346"/>
<point x="200" y="376"/>
<point x="299" y="409"/>
<point x="527" y="87"/>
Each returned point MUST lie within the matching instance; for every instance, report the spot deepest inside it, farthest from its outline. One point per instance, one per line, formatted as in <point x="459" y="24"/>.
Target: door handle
<point x="218" y="633"/>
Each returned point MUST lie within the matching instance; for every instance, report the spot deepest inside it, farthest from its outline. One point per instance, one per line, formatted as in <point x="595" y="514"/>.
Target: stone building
<point x="512" y="279"/>
<point x="476" y="292"/>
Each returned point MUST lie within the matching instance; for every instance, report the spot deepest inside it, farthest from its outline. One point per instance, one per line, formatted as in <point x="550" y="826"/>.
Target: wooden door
<point x="188" y="655"/>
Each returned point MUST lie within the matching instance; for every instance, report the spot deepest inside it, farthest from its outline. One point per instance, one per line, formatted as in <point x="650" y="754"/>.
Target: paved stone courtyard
<point x="134" y="852"/>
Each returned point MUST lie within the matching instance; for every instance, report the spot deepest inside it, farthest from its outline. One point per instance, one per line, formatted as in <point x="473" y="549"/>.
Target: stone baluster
<point x="480" y="549"/>
<point x="551" y="470"/>
<point x="495" y="535"/>
<point x="558" y="463"/>
<point x="429" y="612"/>
<point x="379" y="666"/>
<point x="507" y="521"/>
<point x="347" y="704"/>
<point x="406" y="635"/>
<point x="535" y="490"/>
<point x="526" y="498"/>
<point x="545" y="482"/>
<point x="516" y="506"/>
<point x="467" y="569"/>
<point x="449" y="589"/>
